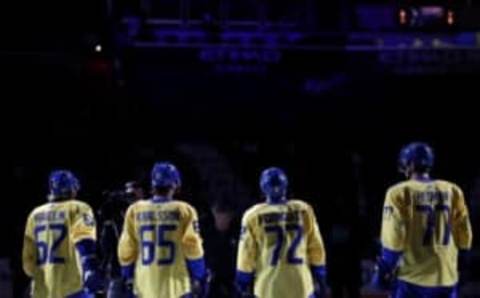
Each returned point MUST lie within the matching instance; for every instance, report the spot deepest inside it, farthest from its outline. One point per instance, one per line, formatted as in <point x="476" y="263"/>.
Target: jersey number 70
<point x="434" y="219"/>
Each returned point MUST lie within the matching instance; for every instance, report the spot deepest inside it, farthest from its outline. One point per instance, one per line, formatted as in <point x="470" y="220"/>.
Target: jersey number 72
<point x="280" y="239"/>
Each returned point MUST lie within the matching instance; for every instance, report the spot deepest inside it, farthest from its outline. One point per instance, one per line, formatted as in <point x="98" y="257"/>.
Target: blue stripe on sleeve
<point x="128" y="271"/>
<point x="319" y="271"/>
<point x="391" y="257"/>
<point x="197" y="268"/>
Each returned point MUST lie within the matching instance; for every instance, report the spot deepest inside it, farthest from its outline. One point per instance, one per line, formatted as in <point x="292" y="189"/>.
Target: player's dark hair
<point x="421" y="169"/>
<point x="161" y="191"/>
<point x="63" y="197"/>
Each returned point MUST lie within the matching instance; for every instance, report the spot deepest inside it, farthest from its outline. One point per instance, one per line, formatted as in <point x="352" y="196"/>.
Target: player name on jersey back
<point x="49" y="216"/>
<point x="428" y="197"/>
<point x="279" y="217"/>
<point x="158" y="216"/>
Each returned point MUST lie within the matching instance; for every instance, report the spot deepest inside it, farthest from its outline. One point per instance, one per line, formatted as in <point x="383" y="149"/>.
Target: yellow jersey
<point x="49" y="254"/>
<point x="158" y="238"/>
<point x="428" y="222"/>
<point x="278" y="244"/>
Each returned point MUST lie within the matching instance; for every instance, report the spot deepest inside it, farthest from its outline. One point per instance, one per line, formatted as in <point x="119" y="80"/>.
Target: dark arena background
<point x="328" y="90"/>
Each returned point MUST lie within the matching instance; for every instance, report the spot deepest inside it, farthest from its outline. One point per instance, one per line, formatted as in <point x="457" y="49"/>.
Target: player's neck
<point x="159" y="198"/>
<point x="277" y="201"/>
<point x="54" y="199"/>
<point x="425" y="177"/>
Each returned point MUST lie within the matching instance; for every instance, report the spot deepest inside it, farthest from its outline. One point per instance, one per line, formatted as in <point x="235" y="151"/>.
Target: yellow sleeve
<point x="29" y="257"/>
<point x="461" y="227"/>
<point x="191" y="240"/>
<point x="83" y="224"/>
<point x="394" y="226"/>
<point x="315" y="249"/>
<point x="247" y="247"/>
<point x="128" y="243"/>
